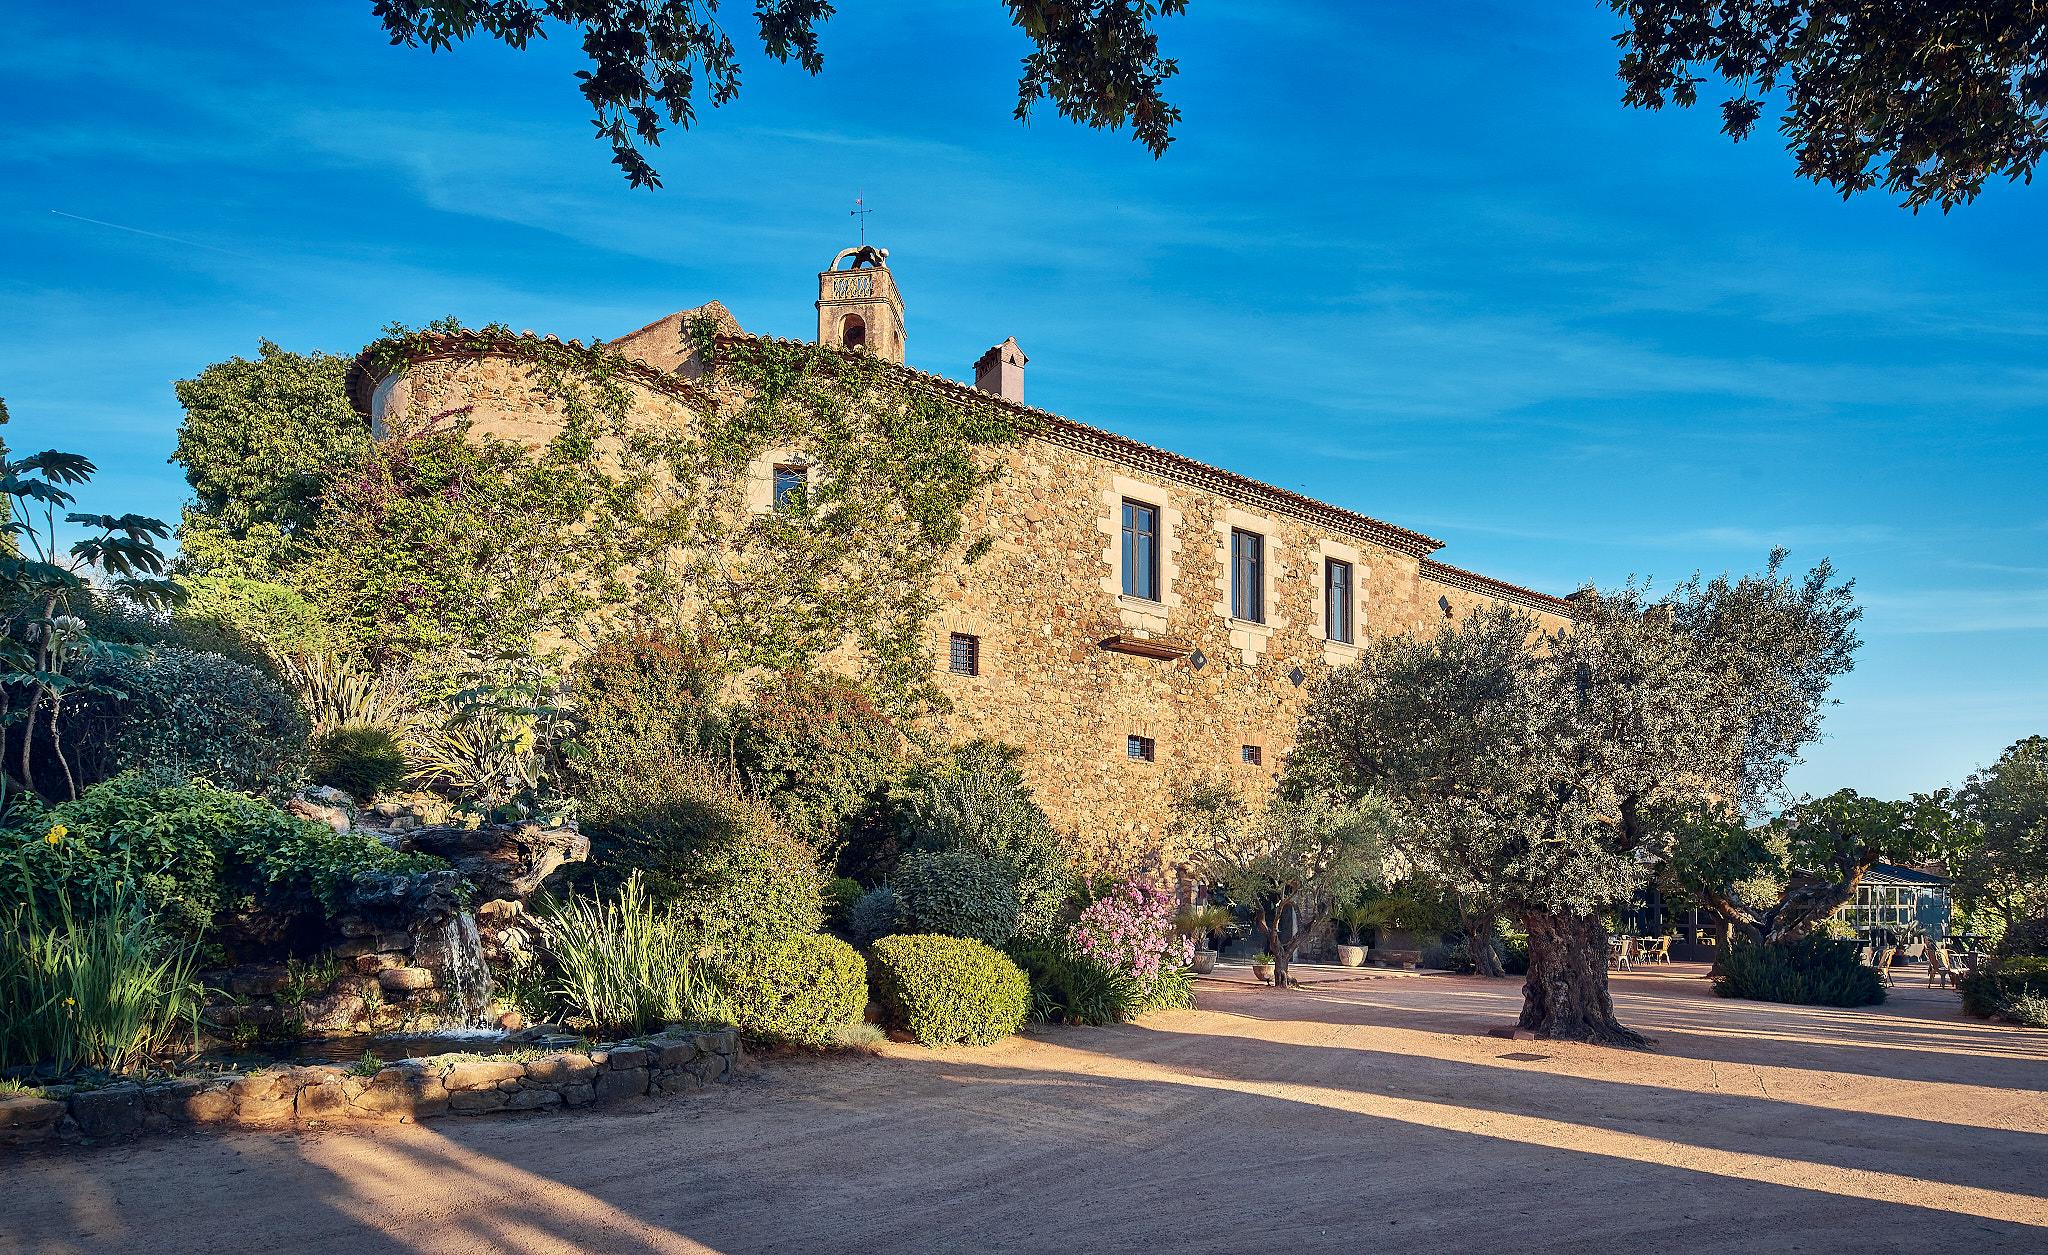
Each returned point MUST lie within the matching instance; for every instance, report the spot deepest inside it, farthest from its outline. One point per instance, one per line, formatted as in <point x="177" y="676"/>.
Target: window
<point x="1247" y="576"/>
<point x="1337" y="601"/>
<point x="791" y="482"/>
<point x="965" y="655"/>
<point x="1254" y="755"/>
<point x="1142" y="748"/>
<point x="1141" y="550"/>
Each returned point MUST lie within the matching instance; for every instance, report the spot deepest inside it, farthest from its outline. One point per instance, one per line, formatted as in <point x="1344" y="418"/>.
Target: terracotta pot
<point x="1204" y="962"/>
<point x="1262" y="971"/>
<point x="1351" y="956"/>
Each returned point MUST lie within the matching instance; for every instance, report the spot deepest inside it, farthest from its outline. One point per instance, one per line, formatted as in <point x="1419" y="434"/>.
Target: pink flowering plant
<point x="1130" y="932"/>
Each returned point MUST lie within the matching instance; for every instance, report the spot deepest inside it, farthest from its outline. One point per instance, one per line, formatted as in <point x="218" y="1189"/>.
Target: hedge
<point x="798" y="991"/>
<point x="949" y="989"/>
<point x="1814" y="971"/>
<point x="1991" y="990"/>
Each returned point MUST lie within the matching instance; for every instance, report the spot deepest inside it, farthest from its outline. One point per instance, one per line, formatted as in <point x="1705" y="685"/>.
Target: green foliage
<point x="190" y="852"/>
<point x="874" y="915"/>
<point x="93" y="984"/>
<point x="949" y="989"/>
<point x="259" y="442"/>
<point x="751" y="890"/>
<point x="958" y="893"/>
<point x="1098" y="63"/>
<point x="360" y="759"/>
<point x="45" y="588"/>
<point x="630" y="965"/>
<point x="819" y="752"/>
<point x="975" y="801"/>
<point x="1071" y="988"/>
<point x="492" y="746"/>
<point x="799" y="991"/>
<point x="1814" y="971"/>
<point x="1930" y="100"/>
<point x="1991" y="989"/>
<point x="841" y="893"/>
<point x="2002" y="866"/>
<point x="186" y="714"/>
<point x="2028" y="1010"/>
<point x="250" y="620"/>
<point x="643" y="705"/>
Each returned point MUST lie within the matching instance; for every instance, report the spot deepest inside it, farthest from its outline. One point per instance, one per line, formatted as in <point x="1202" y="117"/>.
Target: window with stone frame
<point x="1140" y="748"/>
<point x="964" y="654"/>
<point x="1337" y="601"/>
<point x="1247" y="576"/>
<point x="792" y="481"/>
<point x="1253" y="754"/>
<point x="1141" y="550"/>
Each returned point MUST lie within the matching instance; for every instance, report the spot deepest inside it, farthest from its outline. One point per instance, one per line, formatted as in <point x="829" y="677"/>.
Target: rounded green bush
<point x="798" y="991"/>
<point x="187" y="714"/>
<point x="1813" y="971"/>
<point x="949" y="989"/>
<point x="360" y="759"/>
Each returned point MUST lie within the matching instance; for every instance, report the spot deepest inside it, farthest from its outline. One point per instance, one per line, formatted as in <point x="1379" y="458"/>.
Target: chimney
<point x="1001" y="371"/>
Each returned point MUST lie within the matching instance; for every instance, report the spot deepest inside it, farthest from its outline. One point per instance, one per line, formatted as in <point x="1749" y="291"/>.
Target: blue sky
<point x="1413" y="259"/>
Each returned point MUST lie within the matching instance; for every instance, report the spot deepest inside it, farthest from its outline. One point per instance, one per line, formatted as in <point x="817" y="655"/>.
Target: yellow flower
<point x="71" y="1002"/>
<point x="56" y="834"/>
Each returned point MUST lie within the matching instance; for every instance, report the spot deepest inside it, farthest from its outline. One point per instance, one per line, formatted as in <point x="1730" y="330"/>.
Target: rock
<point x="26" y="1119"/>
<point x="506" y="861"/>
<point x="579" y="1095"/>
<point x="532" y="1099"/>
<point x="477" y="1101"/>
<point x="256" y="980"/>
<point x="214" y="1104"/>
<point x="511" y="1021"/>
<point x="335" y="1012"/>
<point x="405" y="1090"/>
<point x="267" y="1097"/>
<point x="615" y="1085"/>
<point x="106" y="1114"/>
<point x="562" y="1069"/>
<point x="405" y="980"/>
<point x="327" y="1097"/>
<point x="334" y="817"/>
<point x="621" y="1057"/>
<point x="481" y="1074"/>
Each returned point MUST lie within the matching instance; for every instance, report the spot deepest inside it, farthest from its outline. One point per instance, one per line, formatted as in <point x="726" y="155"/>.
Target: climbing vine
<point x="447" y="538"/>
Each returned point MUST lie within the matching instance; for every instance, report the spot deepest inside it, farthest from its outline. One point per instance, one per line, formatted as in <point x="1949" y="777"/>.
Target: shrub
<point x="1992" y="990"/>
<point x="714" y="852"/>
<point x="976" y="801"/>
<point x="959" y="893"/>
<point x="1514" y="956"/>
<point x="1814" y="970"/>
<point x="799" y="991"/>
<point x="819" y="751"/>
<point x="1130" y="931"/>
<point x="841" y="893"/>
<point x="191" y="851"/>
<point x="188" y="714"/>
<point x="359" y="759"/>
<point x="628" y="964"/>
<point x="873" y="916"/>
<point x="1072" y="988"/>
<point x="2028" y="1010"/>
<point x="642" y="707"/>
<point x="949" y="989"/>
<point x="96" y="984"/>
<point x="250" y="620"/>
<point x="1449" y="956"/>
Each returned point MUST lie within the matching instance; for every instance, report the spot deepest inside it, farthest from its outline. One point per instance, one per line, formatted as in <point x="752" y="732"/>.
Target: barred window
<point x="1254" y="755"/>
<point x="791" y="482"/>
<point x="1140" y="747"/>
<point x="965" y="656"/>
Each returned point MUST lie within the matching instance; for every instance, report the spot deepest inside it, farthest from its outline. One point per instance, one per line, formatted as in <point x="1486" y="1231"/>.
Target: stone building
<point x="1139" y="618"/>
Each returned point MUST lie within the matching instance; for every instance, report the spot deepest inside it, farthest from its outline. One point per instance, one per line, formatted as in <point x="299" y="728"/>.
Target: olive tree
<point x="1532" y="768"/>
<point x="2003" y="868"/>
<point x="1291" y="863"/>
<point x="1775" y="883"/>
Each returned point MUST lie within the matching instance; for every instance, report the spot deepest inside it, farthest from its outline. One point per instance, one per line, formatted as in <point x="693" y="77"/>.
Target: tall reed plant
<point x="96" y="988"/>
<point x="630" y="965"/>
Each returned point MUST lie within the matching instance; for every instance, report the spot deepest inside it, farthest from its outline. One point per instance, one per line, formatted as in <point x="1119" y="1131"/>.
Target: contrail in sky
<point x="155" y="235"/>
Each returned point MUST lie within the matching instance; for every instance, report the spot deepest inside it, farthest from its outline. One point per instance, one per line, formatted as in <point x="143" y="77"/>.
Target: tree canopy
<point x="651" y="64"/>
<point x="1930" y="99"/>
<point x="2004" y="866"/>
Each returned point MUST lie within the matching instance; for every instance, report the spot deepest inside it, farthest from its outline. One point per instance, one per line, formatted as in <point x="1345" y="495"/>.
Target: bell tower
<point x="858" y="305"/>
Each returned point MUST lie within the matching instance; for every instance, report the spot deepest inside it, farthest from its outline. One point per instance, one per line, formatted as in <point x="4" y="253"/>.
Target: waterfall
<point x="454" y="952"/>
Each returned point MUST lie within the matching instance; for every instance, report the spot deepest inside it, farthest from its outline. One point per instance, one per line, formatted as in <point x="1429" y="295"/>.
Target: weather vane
<point x="860" y="211"/>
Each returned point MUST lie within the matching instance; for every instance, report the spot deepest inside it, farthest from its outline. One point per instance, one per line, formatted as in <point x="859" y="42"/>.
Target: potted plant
<point x="1200" y="922"/>
<point x="1355" y="918"/>
<point x="1262" y="968"/>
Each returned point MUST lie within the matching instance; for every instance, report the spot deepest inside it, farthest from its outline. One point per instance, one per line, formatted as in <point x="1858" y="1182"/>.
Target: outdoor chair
<point x="1885" y="955"/>
<point x="1617" y="953"/>
<point x="1656" y="949"/>
<point x="1939" y="969"/>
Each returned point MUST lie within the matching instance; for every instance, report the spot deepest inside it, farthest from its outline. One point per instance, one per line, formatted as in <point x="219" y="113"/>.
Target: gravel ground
<point x="1354" y="1115"/>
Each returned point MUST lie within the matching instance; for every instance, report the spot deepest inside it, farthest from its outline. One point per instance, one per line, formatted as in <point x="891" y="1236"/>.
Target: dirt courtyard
<point x="1369" y="1115"/>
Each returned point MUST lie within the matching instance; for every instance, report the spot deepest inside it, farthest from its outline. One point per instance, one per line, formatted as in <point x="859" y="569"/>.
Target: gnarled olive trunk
<point x="1565" y="994"/>
<point x="1479" y="937"/>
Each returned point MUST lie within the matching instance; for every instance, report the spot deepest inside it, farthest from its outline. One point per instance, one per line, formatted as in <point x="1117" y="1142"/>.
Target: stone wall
<point x="409" y="1090"/>
<point x="1047" y="595"/>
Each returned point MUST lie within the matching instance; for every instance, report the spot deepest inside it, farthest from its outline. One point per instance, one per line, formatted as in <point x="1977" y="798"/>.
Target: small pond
<point x="387" y="1047"/>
